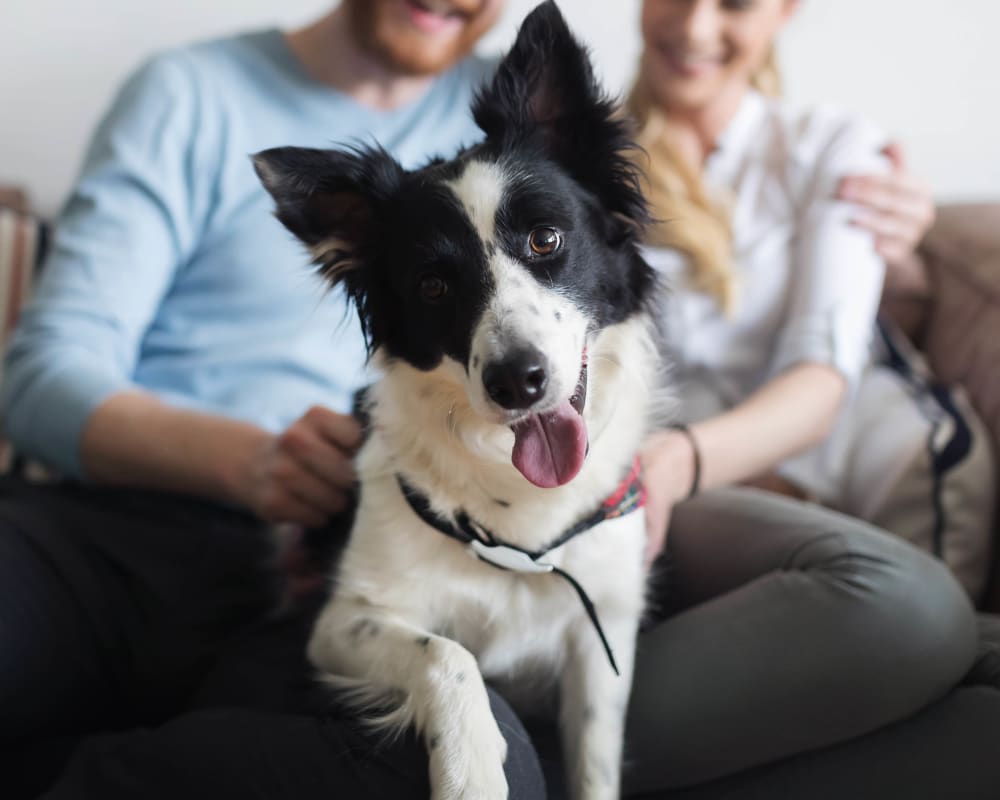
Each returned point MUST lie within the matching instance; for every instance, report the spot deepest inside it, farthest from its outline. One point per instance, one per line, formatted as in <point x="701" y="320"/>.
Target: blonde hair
<point x="685" y="217"/>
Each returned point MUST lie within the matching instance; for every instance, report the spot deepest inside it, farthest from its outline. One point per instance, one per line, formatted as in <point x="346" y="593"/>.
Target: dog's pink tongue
<point x="549" y="448"/>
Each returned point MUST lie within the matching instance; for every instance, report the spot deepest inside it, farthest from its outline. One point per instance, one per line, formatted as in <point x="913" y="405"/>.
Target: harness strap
<point x="628" y="497"/>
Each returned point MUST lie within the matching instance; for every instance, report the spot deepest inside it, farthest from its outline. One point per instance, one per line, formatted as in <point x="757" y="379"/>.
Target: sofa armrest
<point x="961" y="335"/>
<point x="15" y="199"/>
<point x="22" y="245"/>
<point x="965" y="232"/>
<point x="961" y="331"/>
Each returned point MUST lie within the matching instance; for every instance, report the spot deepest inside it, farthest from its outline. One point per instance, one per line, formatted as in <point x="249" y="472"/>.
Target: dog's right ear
<point x="328" y="199"/>
<point x="545" y="90"/>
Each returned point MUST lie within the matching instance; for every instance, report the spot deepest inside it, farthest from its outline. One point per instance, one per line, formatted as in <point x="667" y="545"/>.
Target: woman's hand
<point x="668" y="469"/>
<point x="898" y="208"/>
<point x="304" y="474"/>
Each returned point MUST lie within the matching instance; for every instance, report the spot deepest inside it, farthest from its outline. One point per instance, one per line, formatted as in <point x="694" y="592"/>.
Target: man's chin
<point x="418" y="59"/>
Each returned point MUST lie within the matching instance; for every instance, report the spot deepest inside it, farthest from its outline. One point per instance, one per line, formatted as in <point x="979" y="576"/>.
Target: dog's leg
<point x="592" y="701"/>
<point x="439" y="685"/>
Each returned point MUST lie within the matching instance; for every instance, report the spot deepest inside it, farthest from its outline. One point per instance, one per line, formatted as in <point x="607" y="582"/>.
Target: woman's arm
<point x="793" y="411"/>
<point x="789" y="414"/>
<point x="823" y="343"/>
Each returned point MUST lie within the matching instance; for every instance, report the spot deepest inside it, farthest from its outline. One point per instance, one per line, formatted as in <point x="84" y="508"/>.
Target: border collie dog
<point x="499" y="532"/>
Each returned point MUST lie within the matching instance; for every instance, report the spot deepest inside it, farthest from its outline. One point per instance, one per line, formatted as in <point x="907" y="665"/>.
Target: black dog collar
<point x="629" y="496"/>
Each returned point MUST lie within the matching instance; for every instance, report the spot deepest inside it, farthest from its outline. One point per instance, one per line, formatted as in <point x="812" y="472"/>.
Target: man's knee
<point x="523" y="770"/>
<point x="233" y="752"/>
<point x="49" y="663"/>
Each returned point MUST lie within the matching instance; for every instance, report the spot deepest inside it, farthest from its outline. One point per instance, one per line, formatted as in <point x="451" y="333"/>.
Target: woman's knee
<point x="904" y="604"/>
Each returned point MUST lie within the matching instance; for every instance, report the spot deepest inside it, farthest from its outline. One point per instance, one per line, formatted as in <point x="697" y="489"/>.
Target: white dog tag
<point x="508" y="558"/>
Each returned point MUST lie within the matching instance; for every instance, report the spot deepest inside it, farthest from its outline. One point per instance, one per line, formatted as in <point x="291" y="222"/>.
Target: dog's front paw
<point x="468" y="767"/>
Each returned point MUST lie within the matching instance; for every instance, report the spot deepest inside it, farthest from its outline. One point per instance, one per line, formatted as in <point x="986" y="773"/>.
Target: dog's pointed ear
<point x="544" y="90"/>
<point x="546" y="77"/>
<point x="327" y="198"/>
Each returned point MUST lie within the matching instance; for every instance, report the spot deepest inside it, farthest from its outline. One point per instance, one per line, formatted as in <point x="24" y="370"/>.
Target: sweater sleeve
<point x="127" y="227"/>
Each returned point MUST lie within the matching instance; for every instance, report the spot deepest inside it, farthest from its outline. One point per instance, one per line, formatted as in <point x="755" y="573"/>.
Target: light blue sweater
<point x="168" y="271"/>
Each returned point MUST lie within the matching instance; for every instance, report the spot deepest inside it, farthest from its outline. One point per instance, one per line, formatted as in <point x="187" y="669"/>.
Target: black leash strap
<point x="492" y="551"/>
<point x="588" y="606"/>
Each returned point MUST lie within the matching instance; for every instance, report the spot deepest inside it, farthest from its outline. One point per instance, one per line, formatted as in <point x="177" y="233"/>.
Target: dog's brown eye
<point x="432" y="288"/>
<point x="544" y="241"/>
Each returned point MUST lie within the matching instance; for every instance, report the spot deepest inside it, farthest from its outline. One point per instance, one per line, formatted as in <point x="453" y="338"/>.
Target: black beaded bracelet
<point x="696" y="478"/>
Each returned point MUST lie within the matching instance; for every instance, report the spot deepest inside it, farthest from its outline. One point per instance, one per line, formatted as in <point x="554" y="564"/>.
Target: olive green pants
<point x="786" y="635"/>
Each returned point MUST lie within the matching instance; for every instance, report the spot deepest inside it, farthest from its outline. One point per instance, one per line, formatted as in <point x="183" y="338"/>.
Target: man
<point x="135" y="357"/>
<point x="178" y="342"/>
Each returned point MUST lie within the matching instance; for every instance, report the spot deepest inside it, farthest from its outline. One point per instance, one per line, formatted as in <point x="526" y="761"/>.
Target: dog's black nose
<point x="518" y="380"/>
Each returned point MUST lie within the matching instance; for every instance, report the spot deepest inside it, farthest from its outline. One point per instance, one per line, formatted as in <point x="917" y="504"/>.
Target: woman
<point x="788" y="628"/>
<point x="784" y="284"/>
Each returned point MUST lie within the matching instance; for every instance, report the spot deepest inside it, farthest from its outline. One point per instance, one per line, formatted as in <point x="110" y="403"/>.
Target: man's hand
<point x="898" y="208"/>
<point x="668" y="469"/>
<point x="304" y="474"/>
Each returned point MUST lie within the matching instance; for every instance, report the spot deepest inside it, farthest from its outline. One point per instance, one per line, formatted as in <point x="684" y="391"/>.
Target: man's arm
<point x="68" y="393"/>
<point x="130" y="221"/>
<point x="301" y="475"/>
<point x="897" y="207"/>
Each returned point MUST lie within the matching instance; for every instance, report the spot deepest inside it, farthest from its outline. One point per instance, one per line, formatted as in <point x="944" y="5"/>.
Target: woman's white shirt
<point x="807" y="281"/>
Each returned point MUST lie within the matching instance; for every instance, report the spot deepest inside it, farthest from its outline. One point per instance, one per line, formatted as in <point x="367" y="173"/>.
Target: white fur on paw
<point x="468" y="767"/>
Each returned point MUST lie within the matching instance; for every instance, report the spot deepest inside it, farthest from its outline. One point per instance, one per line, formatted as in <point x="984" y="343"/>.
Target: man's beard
<point x="407" y="51"/>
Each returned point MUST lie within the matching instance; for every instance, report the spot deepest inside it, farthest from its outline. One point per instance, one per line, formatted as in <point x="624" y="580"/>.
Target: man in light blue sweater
<point x="177" y="328"/>
<point x="178" y="342"/>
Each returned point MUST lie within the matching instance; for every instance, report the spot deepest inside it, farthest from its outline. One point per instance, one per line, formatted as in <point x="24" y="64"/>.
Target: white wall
<point x="928" y="71"/>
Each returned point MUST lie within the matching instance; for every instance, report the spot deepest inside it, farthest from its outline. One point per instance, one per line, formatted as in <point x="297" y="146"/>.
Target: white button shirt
<point x="807" y="281"/>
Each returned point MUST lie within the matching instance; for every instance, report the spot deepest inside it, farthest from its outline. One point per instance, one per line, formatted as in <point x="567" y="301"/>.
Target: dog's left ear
<point x="327" y="198"/>
<point x="545" y="87"/>
<point x="331" y="200"/>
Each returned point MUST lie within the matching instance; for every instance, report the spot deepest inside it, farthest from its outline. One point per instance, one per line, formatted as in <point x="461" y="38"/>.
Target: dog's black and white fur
<point x="503" y="296"/>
